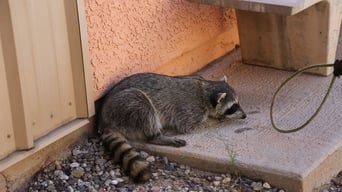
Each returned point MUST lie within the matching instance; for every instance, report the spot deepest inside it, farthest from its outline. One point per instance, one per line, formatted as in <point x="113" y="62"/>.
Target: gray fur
<point x="141" y="106"/>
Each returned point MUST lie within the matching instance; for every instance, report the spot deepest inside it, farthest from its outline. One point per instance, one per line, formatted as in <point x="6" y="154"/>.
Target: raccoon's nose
<point x="243" y="116"/>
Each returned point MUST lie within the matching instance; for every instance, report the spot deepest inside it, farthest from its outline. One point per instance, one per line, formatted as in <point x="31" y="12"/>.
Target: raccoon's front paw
<point x="179" y="142"/>
<point x="168" y="141"/>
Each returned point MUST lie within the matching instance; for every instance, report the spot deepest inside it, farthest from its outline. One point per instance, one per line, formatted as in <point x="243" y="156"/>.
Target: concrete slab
<point x="299" y="161"/>
<point x="284" y="7"/>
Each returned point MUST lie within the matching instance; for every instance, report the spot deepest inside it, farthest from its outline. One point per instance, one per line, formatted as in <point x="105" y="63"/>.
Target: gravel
<point x="89" y="168"/>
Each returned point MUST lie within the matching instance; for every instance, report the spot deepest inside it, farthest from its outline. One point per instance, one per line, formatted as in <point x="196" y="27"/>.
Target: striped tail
<point x="125" y="155"/>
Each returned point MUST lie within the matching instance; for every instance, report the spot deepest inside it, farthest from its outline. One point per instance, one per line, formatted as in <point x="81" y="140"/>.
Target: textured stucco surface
<point x="126" y="37"/>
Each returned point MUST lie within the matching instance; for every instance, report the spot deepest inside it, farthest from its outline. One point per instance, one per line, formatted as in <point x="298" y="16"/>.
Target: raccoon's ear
<point x="225" y="79"/>
<point x="220" y="97"/>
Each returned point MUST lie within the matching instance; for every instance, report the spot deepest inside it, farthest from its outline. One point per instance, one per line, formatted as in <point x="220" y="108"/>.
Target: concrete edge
<point x="331" y="164"/>
<point x="291" y="182"/>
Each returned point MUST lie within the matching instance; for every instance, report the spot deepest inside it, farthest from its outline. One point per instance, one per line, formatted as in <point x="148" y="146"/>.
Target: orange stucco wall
<point x="132" y="36"/>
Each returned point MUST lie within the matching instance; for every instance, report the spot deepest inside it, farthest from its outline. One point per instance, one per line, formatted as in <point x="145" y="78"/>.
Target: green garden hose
<point x="337" y="72"/>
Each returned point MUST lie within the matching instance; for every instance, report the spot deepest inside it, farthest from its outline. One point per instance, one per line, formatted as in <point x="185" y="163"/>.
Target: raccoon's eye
<point x="232" y="109"/>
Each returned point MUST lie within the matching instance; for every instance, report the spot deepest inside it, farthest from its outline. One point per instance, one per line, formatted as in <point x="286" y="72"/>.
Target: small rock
<point x="155" y="189"/>
<point x="114" y="182"/>
<point x="61" y="175"/>
<point x="58" y="165"/>
<point x="257" y="186"/>
<point x="76" y="152"/>
<point x="266" y="185"/>
<point x="216" y="183"/>
<point x="44" y="183"/>
<point x="80" y="182"/>
<point x="125" y="179"/>
<point x="100" y="161"/>
<point x="218" y="178"/>
<point x="143" y="154"/>
<point x="226" y="180"/>
<point x="151" y="159"/>
<point x="155" y="174"/>
<point x="74" y="165"/>
<point x="196" y="180"/>
<point x="70" y="189"/>
<point x="92" y="189"/>
<point x="112" y="173"/>
<point x="166" y="160"/>
<point x="51" y="182"/>
<point x="281" y="190"/>
<point x="78" y="172"/>
<point x="50" y="167"/>
<point x="51" y="188"/>
<point x="107" y="182"/>
<point x="120" y="180"/>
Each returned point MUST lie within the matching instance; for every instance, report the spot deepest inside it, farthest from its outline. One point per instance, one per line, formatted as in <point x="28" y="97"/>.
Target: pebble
<point x="74" y="165"/>
<point x="226" y="180"/>
<point x="100" y="161"/>
<point x="114" y="182"/>
<point x="112" y="173"/>
<point x="218" y="178"/>
<point x="151" y="159"/>
<point x="61" y="175"/>
<point x="120" y="180"/>
<point x="107" y="182"/>
<point x="155" y="188"/>
<point x="166" y="160"/>
<point x="70" y="189"/>
<point x="44" y="183"/>
<point x="257" y="186"/>
<point x="76" y="152"/>
<point x="155" y="174"/>
<point x="216" y="183"/>
<point x="58" y="165"/>
<point x="266" y="185"/>
<point x="78" y="172"/>
<point x="143" y="154"/>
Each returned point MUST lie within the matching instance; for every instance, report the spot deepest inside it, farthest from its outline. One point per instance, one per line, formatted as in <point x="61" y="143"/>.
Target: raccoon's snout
<point x="240" y="114"/>
<point x="235" y="112"/>
<point x="244" y="116"/>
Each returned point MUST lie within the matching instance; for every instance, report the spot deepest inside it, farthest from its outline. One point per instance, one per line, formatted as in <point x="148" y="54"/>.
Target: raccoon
<point x="140" y="107"/>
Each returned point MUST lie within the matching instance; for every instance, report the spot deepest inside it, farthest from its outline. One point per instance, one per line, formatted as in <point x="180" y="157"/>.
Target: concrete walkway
<point x="297" y="161"/>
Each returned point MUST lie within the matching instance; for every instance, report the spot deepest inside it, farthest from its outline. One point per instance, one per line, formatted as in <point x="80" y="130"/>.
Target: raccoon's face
<point x="228" y="107"/>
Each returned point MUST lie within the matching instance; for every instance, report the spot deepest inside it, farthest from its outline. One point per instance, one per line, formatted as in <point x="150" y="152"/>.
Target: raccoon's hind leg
<point x="126" y="155"/>
<point x="152" y="127"/>
<point x="133" y="112"/>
